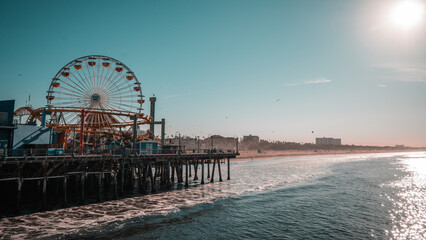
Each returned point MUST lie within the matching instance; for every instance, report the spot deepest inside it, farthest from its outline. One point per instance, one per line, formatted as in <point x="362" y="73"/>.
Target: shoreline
<point x="254" y="155"/>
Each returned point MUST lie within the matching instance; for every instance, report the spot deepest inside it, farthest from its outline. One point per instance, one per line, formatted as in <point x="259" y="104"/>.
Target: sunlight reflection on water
<point x="409" y="211"/>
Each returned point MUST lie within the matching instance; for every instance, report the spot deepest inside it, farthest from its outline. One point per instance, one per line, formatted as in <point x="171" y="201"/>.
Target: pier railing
<point x="11" y="154"/>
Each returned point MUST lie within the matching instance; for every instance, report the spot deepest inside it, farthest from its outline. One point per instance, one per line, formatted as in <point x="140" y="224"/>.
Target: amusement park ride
<point x="93" y="100"/>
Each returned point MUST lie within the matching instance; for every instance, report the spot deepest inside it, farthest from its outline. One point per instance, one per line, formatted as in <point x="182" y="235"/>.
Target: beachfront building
<point x="250" y="139"/>
<point x="194" y="144"/>
<point x="250" y="142"/>
<point x="328" y="141"/>
<point x="223" y="143"/>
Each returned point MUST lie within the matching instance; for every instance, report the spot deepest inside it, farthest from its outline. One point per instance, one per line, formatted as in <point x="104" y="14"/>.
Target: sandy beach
<point x="253" y="154"/>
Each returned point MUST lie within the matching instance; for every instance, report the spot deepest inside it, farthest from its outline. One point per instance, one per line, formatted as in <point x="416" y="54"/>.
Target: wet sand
<point x="253" y="154"/>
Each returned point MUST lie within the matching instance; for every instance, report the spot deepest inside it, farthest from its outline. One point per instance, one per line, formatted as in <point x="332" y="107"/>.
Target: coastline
<point x="254" y="155"/>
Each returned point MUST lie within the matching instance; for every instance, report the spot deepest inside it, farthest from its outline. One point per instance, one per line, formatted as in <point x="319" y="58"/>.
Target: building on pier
<point x="27" y="134"/>
<point x="19" y="136"/>
<point x="6" y="123"/>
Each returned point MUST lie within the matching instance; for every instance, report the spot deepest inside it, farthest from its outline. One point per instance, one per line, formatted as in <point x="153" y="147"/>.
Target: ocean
<point x="362" y="196"/>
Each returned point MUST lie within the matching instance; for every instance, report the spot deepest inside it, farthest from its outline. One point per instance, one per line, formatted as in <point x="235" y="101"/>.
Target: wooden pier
<point x="45" y="182"/>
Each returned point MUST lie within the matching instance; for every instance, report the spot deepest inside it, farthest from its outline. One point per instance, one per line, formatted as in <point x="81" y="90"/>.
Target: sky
<point x="282" y="70"/>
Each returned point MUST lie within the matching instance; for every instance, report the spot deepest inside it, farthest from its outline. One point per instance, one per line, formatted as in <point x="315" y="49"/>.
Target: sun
<point x="407" y="14"/>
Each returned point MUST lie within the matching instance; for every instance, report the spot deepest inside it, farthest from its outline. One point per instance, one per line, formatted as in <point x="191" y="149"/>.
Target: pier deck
<point x="39" y="180"/>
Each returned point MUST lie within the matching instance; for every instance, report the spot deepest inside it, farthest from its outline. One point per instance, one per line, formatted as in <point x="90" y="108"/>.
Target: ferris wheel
<point x="96" y="83"/>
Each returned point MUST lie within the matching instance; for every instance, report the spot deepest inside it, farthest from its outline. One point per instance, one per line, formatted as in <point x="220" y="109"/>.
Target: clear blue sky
<point x="276" y="69"/>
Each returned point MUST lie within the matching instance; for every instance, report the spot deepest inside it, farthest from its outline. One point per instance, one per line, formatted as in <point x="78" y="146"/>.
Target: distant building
<point x="328" y="141"/>
<point x="250" y="139"/>
<point x="220" y="142"/>
<point x="186" y="143"/>
<point x="194" y="144"/>
<point x="250" y="142"/>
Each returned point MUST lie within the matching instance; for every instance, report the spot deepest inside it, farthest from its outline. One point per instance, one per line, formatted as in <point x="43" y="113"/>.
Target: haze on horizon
<point x="281" y="70"/>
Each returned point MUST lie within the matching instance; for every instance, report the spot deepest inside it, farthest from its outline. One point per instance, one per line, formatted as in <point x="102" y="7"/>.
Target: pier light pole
<point x="152" y="112"/>
<point x="163" y="131"/>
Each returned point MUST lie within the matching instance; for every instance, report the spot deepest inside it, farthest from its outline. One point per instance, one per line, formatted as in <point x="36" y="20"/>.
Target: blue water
<point x="373" y="196"/>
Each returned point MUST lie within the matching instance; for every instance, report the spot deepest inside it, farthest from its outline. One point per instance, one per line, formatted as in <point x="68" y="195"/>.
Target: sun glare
<point x="407" y="14"/>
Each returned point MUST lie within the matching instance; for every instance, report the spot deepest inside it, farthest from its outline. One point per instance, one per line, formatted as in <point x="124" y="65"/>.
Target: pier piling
<point x="202" y="171"/>
<point x="220" y="172"/>
<point x="152" y="178"/>
<point x="18" y="195"/>
<point x="186" y="173"/>
<point x="82" y="182"/>
<point x="64" y="190"/>
<point x="99" y="187"/>
<point x="212" y="176"/>
<point x="121" y="178"/>
<point x="173" y="174"/>
<point x="208" y="169"/>
<point x="196" y="171"/>
<point x="43" y="196"/>
<point x="229" y="170"/>
<point x="168" y="174"/>
<point x="115" y="187"/>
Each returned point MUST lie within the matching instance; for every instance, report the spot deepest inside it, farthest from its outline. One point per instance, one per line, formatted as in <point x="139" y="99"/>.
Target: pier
<point x="91" y="143"/>
<point x="44" y="182"/>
